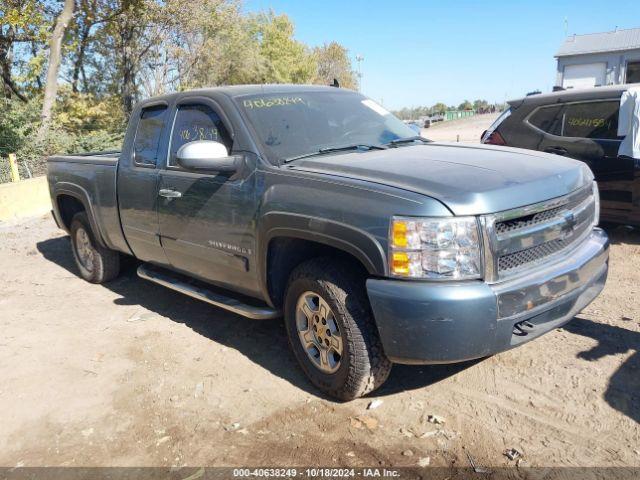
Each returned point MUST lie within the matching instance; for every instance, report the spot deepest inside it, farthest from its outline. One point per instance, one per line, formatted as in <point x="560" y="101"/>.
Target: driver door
<point x="206" y="219"/>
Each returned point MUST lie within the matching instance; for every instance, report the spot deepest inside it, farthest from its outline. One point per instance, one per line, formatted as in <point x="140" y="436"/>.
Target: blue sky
<point x="421" y="52"/>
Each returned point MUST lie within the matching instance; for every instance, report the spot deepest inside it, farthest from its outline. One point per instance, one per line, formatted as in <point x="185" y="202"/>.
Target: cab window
<point x="148" y="133"/>
<point x="196" y="122"/>
<point x="591" y="120"/>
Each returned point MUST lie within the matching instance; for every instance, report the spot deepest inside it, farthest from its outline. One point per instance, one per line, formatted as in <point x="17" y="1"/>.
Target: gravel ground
<point x="466" y="130"/>
<point x="133" y="374"/>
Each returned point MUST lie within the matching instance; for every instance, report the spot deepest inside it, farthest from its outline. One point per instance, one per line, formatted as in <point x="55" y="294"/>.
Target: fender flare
<point x="80" y="194"/>
<point x="354" y="241"/>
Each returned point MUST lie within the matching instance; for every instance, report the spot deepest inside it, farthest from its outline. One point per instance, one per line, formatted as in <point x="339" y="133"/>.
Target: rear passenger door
<point x="138" y="183"/>
<point x="587" y="131"/>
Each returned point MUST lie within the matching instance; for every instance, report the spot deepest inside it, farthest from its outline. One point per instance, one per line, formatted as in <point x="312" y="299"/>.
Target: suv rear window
<point x="548" y="119"/>
<point x="591" y="120"/>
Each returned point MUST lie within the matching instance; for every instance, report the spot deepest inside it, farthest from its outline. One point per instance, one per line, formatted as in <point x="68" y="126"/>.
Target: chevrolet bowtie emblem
<point x="570" y="223"/>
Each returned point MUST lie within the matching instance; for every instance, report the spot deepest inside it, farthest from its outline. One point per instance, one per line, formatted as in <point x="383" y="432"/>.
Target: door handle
<point x="556" y="150"/>
<point x="169" y="193"/>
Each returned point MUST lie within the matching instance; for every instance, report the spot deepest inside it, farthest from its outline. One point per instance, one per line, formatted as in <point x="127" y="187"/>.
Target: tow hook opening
<point x="524" y="328"/>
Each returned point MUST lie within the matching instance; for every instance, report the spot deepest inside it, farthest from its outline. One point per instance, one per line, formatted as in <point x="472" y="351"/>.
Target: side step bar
<point x="167" y="279"/>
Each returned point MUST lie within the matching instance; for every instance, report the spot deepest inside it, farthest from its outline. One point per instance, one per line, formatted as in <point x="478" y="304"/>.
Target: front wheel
<point x="332" y="332"/>
<point x="97" y="264"/>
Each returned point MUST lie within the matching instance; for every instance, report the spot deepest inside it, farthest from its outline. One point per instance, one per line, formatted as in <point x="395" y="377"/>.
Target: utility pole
<point x="359" y="59"/>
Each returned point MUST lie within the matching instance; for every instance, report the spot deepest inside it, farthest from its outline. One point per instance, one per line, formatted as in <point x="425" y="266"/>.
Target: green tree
<point x="23" y="28"/>
<point x="114" y="53"/>
<point x="439" y="108"/>
<point x="287" y="60"/>
<point x="480" y="105"/>
<point x="466" y="105"/>
<point x="210" y="43"/>
<point x="333" y="61"/>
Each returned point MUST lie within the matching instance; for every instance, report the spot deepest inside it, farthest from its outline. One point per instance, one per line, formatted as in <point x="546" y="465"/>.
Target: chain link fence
<point x="26" y="169"/>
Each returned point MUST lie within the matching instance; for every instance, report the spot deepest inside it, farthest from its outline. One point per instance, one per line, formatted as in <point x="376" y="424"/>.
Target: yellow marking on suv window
<point x="588" y="122"/>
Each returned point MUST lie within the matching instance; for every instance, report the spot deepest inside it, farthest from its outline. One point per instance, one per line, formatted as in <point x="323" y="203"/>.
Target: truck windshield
<point x="293" y="125"/>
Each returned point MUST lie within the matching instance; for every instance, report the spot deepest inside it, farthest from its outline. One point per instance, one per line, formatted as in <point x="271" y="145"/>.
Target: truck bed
<point x="91" y="178"/>
<point x="109" y="157"/>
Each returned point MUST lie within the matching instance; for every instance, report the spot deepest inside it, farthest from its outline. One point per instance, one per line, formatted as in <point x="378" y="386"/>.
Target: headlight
<point x="596" y="197"/>
<point x="435" y="248"/>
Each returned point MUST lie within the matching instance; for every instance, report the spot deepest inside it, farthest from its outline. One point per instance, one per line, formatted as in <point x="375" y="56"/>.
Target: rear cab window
<point x="148" y="133"/>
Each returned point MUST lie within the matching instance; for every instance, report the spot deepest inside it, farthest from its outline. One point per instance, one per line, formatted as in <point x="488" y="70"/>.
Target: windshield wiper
<point x="323" y="151"/>
<point x="400" y="141"/>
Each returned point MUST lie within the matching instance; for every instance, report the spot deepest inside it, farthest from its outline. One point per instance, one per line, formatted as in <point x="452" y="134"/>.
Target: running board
<point x="168" y="279"/>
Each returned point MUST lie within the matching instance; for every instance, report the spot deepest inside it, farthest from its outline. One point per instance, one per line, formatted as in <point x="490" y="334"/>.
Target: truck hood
<point x="468" y="179"/>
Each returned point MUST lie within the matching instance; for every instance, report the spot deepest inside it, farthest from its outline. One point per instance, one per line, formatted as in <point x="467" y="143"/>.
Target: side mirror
<point x="206" y="155"/>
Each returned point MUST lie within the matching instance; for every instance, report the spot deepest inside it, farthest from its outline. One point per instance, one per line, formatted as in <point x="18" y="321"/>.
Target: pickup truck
<point x="316" y="204"/>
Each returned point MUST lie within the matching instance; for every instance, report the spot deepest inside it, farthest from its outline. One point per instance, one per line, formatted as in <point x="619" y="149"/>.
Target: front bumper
<point x="422" y="323"/>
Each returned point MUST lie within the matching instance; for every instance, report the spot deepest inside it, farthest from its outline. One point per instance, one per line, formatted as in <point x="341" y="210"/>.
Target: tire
<point x="102" y="264"/>
<point x="362" y="365"/>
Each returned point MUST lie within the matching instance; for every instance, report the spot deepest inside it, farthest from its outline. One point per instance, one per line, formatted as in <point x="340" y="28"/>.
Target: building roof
<point x="576" y="94"/>
<point x="600" y="42"/>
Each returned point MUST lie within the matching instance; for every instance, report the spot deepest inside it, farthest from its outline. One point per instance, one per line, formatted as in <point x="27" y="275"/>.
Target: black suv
<point x="580" y="124"/>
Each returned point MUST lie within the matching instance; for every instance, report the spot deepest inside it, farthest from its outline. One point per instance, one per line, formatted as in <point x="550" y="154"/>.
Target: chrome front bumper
<point x="538" y="291"/>
<point x="428" y="322"/>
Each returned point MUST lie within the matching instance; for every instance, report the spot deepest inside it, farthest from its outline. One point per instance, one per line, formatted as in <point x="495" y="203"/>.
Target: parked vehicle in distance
<point x="415" y="126"/>
<point x="580" y="124"/>
<point x="315" y="203"/>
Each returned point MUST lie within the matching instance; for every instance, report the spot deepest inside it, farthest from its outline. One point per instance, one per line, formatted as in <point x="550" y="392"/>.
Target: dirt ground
<point x="133" y="374"/>
<point x="466" y="130"/>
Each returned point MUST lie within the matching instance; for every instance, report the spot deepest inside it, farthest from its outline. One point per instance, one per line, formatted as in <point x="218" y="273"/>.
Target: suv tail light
<point x="494" y="138"/>
<point x="491" y="136"/>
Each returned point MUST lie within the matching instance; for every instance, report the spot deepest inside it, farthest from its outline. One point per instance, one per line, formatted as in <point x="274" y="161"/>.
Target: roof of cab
<point x="574" y="94"/>
<point x="240" y="90"/>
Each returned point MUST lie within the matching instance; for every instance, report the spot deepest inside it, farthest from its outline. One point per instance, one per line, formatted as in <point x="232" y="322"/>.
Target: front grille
<point x="530" y="255"/>
<point x="543" y="216"/>
<point x="524" y="238"/>
<point x="527" y="221"/>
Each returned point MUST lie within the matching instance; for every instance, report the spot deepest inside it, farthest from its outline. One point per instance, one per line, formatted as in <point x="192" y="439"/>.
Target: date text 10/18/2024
<point x="316" y="472"/>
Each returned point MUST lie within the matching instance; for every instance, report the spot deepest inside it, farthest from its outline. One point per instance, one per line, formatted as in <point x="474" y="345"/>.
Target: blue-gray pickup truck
<point x="316" y="204"/>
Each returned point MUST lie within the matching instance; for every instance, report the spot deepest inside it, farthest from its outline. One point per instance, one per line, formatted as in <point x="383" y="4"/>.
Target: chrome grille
<point x="540" y="217"/>
<point x="526" y="237"/>
<point x="529" y="220"/>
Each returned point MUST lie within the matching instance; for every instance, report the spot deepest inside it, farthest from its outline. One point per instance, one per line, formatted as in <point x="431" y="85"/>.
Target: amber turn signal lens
<point x="400" y="263"/>
<point x="399" y="234"/>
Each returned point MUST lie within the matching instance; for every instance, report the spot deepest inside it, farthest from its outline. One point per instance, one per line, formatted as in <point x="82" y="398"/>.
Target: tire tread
<point x="108" y="261"/>
<point x="368" y="365"/>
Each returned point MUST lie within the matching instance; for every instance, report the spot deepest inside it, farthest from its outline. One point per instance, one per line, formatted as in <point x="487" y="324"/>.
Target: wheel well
<point x="284" y="254"/>
<point x="68" y="206"/>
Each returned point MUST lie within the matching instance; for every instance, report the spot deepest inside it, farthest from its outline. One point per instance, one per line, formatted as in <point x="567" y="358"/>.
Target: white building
<point x="609" y="58"/>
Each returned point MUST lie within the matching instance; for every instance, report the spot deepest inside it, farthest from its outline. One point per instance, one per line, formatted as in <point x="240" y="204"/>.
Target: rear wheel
<point x="97" y="264"/>
<point x="332" y="332"/>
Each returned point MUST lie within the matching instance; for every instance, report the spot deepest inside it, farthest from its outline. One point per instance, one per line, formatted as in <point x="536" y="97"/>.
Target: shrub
<point x="82" y="123"/>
